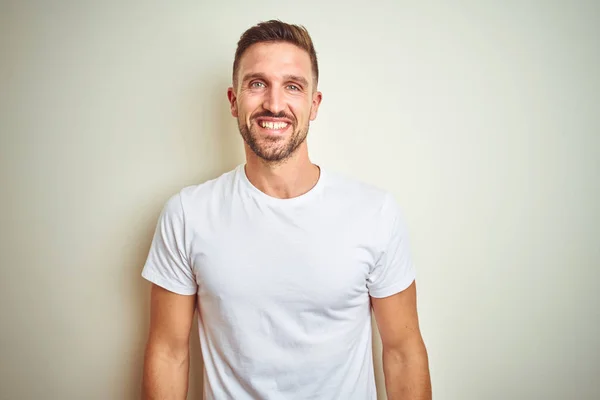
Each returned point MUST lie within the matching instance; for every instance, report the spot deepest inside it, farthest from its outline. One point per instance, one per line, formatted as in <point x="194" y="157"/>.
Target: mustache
<point x="268" y="114"/>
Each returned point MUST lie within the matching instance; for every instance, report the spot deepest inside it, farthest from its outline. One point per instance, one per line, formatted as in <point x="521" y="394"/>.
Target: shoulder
<point x="194" y="197"/>
<point x="213" y="187"/>
<point x="359" y="193"/>
<point x="373" y="210"/>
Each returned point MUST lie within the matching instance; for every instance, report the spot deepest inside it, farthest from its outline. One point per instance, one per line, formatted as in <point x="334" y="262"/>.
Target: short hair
<point x="276" y="31"/>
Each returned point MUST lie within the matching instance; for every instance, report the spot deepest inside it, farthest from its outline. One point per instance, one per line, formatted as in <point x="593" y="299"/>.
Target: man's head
<point x="274" y="94"/>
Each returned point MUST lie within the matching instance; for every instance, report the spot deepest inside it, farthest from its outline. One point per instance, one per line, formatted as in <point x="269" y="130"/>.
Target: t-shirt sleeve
<point x="394" y="270"/>
<point x="167" y="264"/>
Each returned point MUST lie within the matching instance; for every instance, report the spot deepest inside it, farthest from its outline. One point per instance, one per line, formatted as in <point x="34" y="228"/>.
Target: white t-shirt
<point x="283" y="285"/>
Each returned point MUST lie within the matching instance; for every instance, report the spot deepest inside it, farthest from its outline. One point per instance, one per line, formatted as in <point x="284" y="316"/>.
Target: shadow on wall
<point x="219" y="129"/>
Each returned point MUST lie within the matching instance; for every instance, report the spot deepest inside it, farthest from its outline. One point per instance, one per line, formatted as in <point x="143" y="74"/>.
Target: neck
<point x="287" y="179"/>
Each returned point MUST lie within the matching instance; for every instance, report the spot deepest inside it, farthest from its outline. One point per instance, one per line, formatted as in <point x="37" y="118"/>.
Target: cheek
<point x="301" y="110"/>
<point x="248" y="106"/>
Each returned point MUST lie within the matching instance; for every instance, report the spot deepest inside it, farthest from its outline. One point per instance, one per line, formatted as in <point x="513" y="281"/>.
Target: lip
<point x="273" y="120"/>
<point x="274" y="131"/>
<point x="287" y="121"/>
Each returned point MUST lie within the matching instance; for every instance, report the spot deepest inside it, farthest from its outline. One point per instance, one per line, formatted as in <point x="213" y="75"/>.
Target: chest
<point x="315" y="264"/>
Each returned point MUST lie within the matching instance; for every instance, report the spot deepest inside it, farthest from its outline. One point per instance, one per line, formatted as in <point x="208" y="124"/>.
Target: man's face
<point x="274" y="99"/>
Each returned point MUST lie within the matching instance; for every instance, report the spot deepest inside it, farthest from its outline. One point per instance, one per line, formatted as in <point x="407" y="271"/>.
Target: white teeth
<point x="273" y="125"/>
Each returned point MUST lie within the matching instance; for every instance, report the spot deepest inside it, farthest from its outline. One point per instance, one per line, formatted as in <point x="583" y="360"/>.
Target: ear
<point x="232" y="102"/>
<point x="316" y="102"/>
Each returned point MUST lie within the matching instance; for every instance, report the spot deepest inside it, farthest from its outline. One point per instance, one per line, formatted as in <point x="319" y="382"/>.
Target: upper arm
<point x="171" y="316"/>
<point x="397" y="319"/>
<point x="393" y="271"/>
<point x="392" y="284"/>
<point x="174" y="287"/>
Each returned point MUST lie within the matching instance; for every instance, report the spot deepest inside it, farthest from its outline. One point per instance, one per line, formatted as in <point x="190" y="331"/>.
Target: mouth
<point x="273" y="126"/>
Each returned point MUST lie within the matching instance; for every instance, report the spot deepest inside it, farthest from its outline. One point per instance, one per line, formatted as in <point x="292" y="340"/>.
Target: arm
<point x="405" y="362"/>
<point x="166" y="363"/>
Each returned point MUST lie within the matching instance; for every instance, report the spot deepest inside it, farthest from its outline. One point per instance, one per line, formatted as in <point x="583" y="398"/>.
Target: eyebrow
<point x="258" y="75"/>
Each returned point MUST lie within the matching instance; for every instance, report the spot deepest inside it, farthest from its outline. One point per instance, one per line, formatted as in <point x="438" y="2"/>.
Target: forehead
<point x="276" y="59"/>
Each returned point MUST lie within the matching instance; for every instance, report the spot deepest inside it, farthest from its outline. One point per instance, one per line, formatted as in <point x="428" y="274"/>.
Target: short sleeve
<point x="167" y="264"/>
<point x="394" y="270"/>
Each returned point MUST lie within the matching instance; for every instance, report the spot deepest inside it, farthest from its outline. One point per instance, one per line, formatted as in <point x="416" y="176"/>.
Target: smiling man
<point x="284" y="260"/>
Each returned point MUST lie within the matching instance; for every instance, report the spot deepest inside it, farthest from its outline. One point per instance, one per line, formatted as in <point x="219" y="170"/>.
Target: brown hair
<point x="276" y="31"/>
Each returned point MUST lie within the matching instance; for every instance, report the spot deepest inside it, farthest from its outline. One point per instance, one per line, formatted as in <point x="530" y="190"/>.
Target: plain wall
<point x="482" y="117"/>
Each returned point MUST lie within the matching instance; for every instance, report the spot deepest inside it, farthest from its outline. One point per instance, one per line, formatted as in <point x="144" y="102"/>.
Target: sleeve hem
<point x="178" y="289"/>
<point x="393" y="289"/>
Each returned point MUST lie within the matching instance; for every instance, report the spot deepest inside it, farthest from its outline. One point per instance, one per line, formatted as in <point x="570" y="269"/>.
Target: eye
<point x="293" y="87"/>
<point x="257" y="84"/>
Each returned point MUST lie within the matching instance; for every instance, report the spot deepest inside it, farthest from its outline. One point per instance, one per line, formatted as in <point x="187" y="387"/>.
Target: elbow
<point x="406" y="352"/>
<point x="176" y="354"/>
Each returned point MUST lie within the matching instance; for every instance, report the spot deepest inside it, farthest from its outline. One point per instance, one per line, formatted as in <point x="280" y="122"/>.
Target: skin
<point x="167" y="358"/>
<point x="275" y="84"/>
<point x="405" y="360"/>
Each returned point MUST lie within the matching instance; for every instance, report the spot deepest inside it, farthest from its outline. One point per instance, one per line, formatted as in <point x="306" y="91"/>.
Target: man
<point x="282" y="259"/>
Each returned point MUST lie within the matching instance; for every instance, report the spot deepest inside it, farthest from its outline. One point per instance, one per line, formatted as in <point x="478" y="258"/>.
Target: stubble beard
<point x="273" y="149"/>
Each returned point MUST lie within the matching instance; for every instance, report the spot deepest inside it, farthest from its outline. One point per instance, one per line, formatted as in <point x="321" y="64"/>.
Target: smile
<point x="273" y="125"/>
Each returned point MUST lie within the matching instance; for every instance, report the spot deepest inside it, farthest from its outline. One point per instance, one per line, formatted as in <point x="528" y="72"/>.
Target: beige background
<point x="483" y="118"/>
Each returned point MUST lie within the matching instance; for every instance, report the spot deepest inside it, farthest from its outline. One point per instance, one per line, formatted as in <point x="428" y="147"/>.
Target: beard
<point x="273" y="149"/>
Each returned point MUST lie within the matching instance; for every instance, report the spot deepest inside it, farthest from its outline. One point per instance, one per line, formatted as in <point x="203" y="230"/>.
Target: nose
<point x="274" y="100"/>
